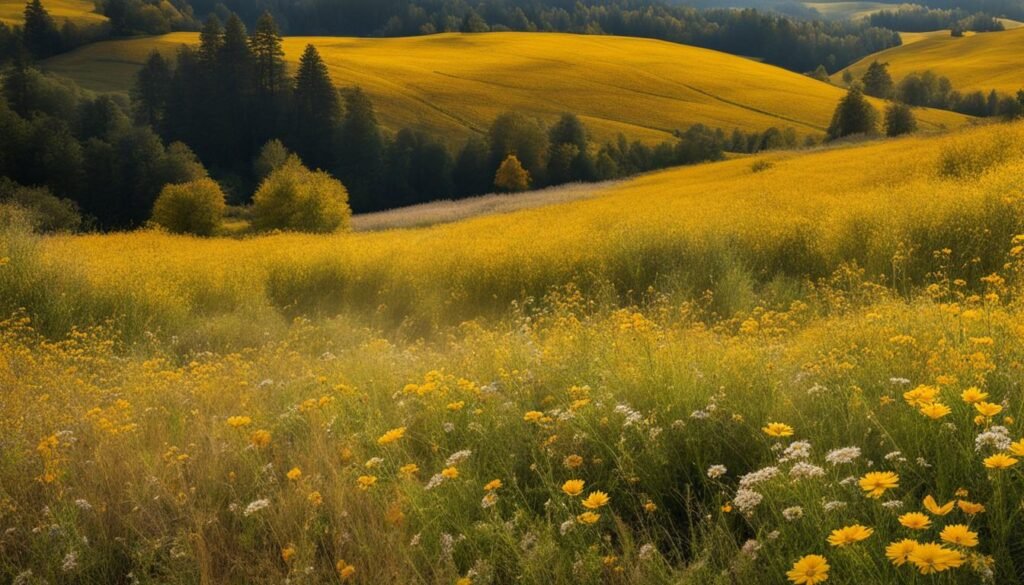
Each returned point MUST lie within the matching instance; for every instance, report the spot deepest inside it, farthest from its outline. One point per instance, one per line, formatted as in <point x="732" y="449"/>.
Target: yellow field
<point x="454" y="84"/>
<point x="983" y="61"/>
<point x="77" y="11"/>
<point x="709" y="375"/>
<point x="851" y="10"/>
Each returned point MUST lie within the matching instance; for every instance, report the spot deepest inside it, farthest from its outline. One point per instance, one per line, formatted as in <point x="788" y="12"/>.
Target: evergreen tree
<point x="316" y="111"/>
<point x="152" y="86"/>
<point x="511" y="176"/>
<point x="268" y="56"/>
<point x="514" y="133"/>
<point x="877" y="81"/>
<point x="473" y="173"/>
<point x="39" y="33"/>
<point x="361" y="151"/>
<point x="211" y="39"/>
<point x="853" y="115"/>
<point x="899" y="119"/>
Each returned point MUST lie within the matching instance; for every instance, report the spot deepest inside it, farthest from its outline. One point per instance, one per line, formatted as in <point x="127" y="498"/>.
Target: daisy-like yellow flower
<point x="973" y="395"/>
<point x="898" y="551"/>
<point x="572" y="461"/>
<point x="573" y="487"/>
<point x="960" y="535"/>
<point x="456" y="406"/>
<point x="533" y="416"/>
<point x="450" y="472"/>
<point x="464" y="581"/>
<point x="315" y="499"/>
<point x="365" y="482"/>
<point x="391" y="436"/>
<point x="588" y="518"/>
<point x="875" y="483"/>
<point x="650" y="507"/>
<point x="777" y="429"/>
<point x="595" y="500"/>
<point x="970" y="508"/>
<point x="260" y="438"/>
<point x="294" y="474"/>
<point x="849" y="535"/>
<point x="493" y="485"/>
<point x="345" y="570"/>
<point x="999" y="461"/>
<point x="935" y="410"/>
<point x="408" y="470"/>
<point x="809" y="570"/>
<point x="239" y="421"/>
<point x="934" y="558"/>
<point x="915" y="520"/>
<point x="921" y="396"/>
<point x="288" y="553"/>
<point x="1017" y="448"/>
<point x="988" y="409"/>
<point x="932" y="506"/>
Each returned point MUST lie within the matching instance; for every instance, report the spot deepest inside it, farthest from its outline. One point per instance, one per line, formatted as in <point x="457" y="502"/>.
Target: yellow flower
<point x="573" y="487"/>
<point x="959" y="535"/>
<point x="391" y="436"/>
<point x="999" y="461"/>
<point x="315" y="499"/>
<point x="932" y="506"/>
<point x="921" y="396"/>
<point x="849" y="535"/>
<point x="450" y="472"/>
<point x="533" y="416"/>
<point x="493" y="485"/>
<point x="572" y="461"/>
<point x="875" y="483"/>
<point x="973" y="395"/>
<point x="726" y="507"/>
<point x="915" y="521"/>
<point x="464" y="581"/>
<point x="934" y="558"/>
<point x="777" y="429"/>
<point x="595" y="500"/>
<point x="408" y="470"/>
<point x="650" y="507"/>
<point x="1017" y="447"/>
<point x="588" y="518"/>
<point x="345" y="570"/>
<point x="365" y="482"/>
<point x="897" y="552"/>
<point x="288" y="553"/>
<point x="239" y="421"/>
<point x="988" y="409"/>
<point x="935" y="410"/>
<point x="294" y="474"/>
<point x="970" y="508"/>
<point x="456" y="406"/>
<point x="809" y="570"/>
<point x="260" y="438"/>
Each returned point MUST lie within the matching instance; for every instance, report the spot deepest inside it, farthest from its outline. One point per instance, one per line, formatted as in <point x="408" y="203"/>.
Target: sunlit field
<point x="761" y="373"/>
<point x="80" y="12"/>
<point x="453" y="85"/>
<point x="984" y="61"/>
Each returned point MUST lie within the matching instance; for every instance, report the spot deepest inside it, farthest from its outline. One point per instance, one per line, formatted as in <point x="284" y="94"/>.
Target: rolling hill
<point x="453" y="84"/>
<point x="77" y="11"/>
<point x="975" y="62"/>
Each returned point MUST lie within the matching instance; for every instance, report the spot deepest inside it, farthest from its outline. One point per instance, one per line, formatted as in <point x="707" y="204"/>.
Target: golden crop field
<point x="803" y="369"/>
<point x="454" y="84"/>
<point x="77" y="11"/>
<point x="851" y="10"/>
<point x="982" y="61"/>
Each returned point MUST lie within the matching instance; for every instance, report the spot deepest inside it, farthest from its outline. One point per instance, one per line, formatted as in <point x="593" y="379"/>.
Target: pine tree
<point x="877" y="81"/>
<point x="511" y="176"/>
<point x="853" y="115"/>
<point x="268" y="56"/>
<point x="40" y="34"/>
<point x="899" y="119"/>
<point x="211" y="39"/>
<point x="316" y="111"/>
<point x="152" y="86"/>
<point x="361" y="151"/>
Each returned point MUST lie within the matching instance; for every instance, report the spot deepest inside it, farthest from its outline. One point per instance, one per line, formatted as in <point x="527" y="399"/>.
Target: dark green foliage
<point x="39" y="33"/>
<point x="361" y="152"/>
<point x="899" y="119"/>
<point x="418" y="169"/>
<point x="45" y="212"/>
<point x="913" y="18"/>
<point x="472" y="173"/>
<point x="316" y="112"/>
<point x="877" y="81"/>
<point x="853" y="115"/>
<point x="526" y="138"/>
<point x="151" y="89"/>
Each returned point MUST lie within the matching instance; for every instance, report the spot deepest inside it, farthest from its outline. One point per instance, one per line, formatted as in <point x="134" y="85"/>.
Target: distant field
<point x="851" y="10"/>
<point x="454" y="84"/>
<point x="977" y="62"/>
<point x="77" y="11"/>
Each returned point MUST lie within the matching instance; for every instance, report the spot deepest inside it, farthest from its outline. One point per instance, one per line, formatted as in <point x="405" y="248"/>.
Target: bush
<point x="511" y="176"/>
<point x="970" y="158"/>
<point x="42" y="210"/>
<point x="297" y="199"/>
<point x="196" y="207"/>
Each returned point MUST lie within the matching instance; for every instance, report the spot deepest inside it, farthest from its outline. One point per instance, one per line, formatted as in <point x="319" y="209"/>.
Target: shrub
<point x="759" y="166"/>
<point x="970" y="158"/>
<point x="899" y="120"/>
<point x="196" y="207"/>
<point x="41" y="209"/>
<point x="295" y="198"/>
<point x="511" y="175"/>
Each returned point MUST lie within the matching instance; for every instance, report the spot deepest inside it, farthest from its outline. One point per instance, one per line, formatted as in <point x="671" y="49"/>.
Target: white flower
<point x="996" y="438"/>
<point x="899" y="381"/>
<point x="566" y="526"/>
<point x="834" y="505"/>
<point x="893" y="504"/>
<point x="717" y="471"/>
<point x="83" y="504"/>
<point x="458" y="457"/>
<point x="746" y="500"/>
<point x="759" y="476"/>
<point x="793" y="513"/>
<point x="803" y="469"/>
<point x="256" y="506"/>
<point x="843" y="455"/>
<point x="646" y="551"/>
<point x="70" y="562"/>
<point x="750" y="548"/>
<point x="796" y="450"/>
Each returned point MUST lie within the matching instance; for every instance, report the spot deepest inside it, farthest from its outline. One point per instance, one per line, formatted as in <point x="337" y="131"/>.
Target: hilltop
<point x="983" y="61"/>
<point x="455" y="84"/>
<point x="77" y="11"/>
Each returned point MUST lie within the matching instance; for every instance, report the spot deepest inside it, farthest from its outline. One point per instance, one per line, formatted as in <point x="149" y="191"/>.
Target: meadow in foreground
<point x="838" y="397"/>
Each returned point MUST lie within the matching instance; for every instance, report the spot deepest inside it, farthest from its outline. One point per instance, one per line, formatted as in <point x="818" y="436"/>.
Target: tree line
<point x="927" y="89"/>
<point x="916" y="18"/>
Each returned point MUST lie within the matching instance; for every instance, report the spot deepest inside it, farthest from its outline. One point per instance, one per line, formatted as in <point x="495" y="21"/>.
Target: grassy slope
<point x="452" y="84"/>
<point x="976" y="62"/>
<point x="77" y="11"/>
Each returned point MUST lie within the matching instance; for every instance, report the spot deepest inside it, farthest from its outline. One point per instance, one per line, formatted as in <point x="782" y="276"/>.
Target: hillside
<point x="77" y="11"/>
<point x="975" y="62"/>
<point x="454" y="84"/>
